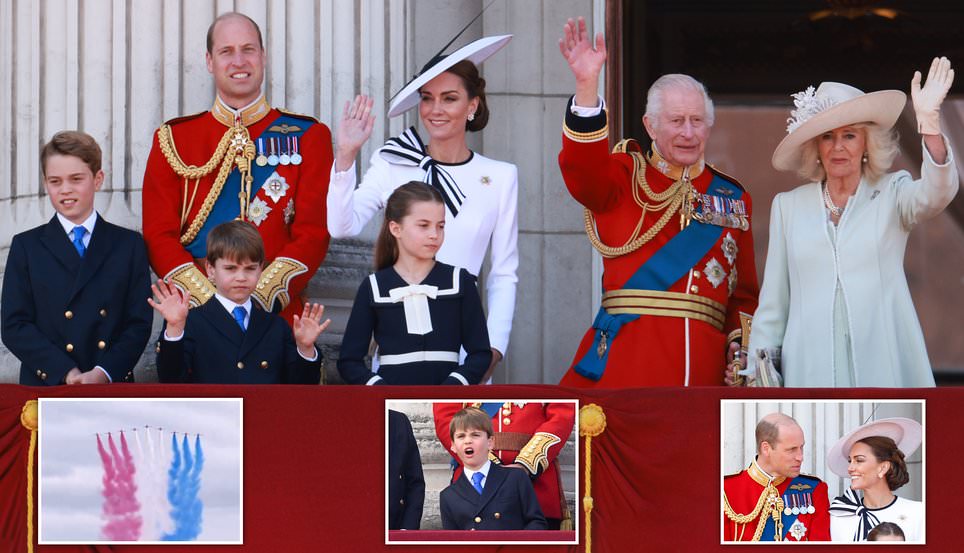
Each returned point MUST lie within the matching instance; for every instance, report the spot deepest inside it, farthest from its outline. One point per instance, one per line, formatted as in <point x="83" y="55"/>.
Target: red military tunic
<point x="686" y="348"/>
<point x="742" y="494"/>
<point x="288" y="209"/>
<point x="531" y="434"/>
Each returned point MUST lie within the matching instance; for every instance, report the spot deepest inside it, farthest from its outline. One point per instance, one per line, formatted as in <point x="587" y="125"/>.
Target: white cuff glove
<point x="927" y="100"/>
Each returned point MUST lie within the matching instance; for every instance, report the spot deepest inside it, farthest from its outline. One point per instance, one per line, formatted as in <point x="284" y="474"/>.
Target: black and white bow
<point x="850" y="504"/>
<point x="408" y="149"/>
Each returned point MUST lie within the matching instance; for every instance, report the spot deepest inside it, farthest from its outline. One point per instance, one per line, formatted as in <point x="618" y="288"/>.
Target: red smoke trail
<point x="121" y="509"/>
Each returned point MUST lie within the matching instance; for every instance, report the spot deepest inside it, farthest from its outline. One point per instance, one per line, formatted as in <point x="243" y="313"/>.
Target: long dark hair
<point x="399" y="205"/>
<point x="475" y="87"/>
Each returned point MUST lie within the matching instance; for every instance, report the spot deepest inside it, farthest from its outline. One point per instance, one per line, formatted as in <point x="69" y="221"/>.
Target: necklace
<point x="828" y="201"/>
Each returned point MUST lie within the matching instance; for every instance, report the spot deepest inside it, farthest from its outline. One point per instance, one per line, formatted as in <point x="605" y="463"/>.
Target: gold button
<point x="696" y="274"/>
<point x="497" y="516"/>
<point x="506" y="420"/>
<point x="473" y="529"/>
<point x="478" y="519"/>
<point x="506" y="411"/>
<point x="70" y="348"/>
<point x="68" y="314"/>
<point x="694" y="288"/>
<point x="157" y="348"/>
<point x="399" y="476"/>
<point x="101" y="344"/>
<point x="240" y="365"/>
<point x="401" y="501"/>
<point x="39" y="372"/>
<point x="264" y="364"/>
<point x="103" y="312"/>
<point x="43" y="376"/>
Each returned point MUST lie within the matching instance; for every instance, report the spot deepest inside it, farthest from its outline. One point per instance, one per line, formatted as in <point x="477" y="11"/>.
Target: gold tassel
<point x="28" y="418"/>
<point x="592" y="422"/>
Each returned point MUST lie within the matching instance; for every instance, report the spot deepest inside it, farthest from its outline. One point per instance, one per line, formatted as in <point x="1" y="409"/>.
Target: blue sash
<point x="226" y="207"/>
<point x="669" y="264"/>
<point x="770" y="527"/>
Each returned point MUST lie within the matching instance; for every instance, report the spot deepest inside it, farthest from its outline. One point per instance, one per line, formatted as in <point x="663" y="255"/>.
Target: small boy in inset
<point x="487" y="496"/>
<point x="229" y="340"/>
<point x="886" y="531"/>
<point x="73" y="291"/>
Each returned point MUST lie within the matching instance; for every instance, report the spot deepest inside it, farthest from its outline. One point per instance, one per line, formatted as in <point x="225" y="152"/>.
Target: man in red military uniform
<point x="679" y="277"/>
<point x="242" y="159"/>
<point x="771" y="500"/>
<point x="528" y="436"/>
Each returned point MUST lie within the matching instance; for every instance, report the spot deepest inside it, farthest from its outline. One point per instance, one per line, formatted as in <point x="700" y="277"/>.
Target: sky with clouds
<point x="71" y="471"/>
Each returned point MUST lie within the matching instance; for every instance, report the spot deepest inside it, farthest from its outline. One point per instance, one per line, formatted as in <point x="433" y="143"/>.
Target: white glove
<point x="927" y="100"/>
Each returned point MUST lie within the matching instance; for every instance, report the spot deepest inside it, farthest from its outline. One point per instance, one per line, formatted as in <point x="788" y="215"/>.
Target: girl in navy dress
<point x="421" y="312"/>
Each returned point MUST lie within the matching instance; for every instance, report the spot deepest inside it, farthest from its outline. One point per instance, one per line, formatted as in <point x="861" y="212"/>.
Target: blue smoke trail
<point x="184" y="483"/>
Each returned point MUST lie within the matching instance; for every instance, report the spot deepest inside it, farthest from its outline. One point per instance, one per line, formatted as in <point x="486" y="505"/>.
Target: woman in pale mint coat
<point x="835" y="308"/>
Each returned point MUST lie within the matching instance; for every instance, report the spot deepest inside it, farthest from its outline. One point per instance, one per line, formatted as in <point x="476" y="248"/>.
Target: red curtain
<point x="314" y="464"/>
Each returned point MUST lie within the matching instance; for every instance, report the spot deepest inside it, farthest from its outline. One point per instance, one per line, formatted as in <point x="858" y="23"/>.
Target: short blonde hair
<point x="882" y="148"/>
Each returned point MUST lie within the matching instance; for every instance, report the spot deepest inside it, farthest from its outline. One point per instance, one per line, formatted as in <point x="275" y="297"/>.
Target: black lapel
<point x="218" y="317"/>
<point x="258" y="323"/>
<point x="55" y="239"/>
<point x="102" y="241"/>
<point x="464" y="488"/>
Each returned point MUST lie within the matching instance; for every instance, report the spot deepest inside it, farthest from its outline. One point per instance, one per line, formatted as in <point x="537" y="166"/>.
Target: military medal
<point x="798" y="530"/>
<point x="810" y="508"/>
<point x="787" y="510"/>
<point x="275" y="187"/>
<point x="262" y="159"/>
<point x="272" y="156"/>
<point x="295" y="156"/>
<point x="285" y="158"/>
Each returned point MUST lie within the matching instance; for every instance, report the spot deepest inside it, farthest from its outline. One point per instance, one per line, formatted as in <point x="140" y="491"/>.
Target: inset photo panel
<point x="842" y="471"/>
<point x="144" y="470"/>
<point x="488" y="471"/>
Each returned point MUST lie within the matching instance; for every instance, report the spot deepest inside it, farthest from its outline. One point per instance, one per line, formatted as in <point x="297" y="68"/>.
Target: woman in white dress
<point x="480" y="194"/>
<point x="835" y="307"/>
<point x="873" y="457"/>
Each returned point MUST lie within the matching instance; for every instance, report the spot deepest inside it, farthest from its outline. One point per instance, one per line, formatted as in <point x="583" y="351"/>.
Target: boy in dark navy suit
<point x="487" y="496"/>
<point x="230" y="340"/>
<point x="73" y="291"/>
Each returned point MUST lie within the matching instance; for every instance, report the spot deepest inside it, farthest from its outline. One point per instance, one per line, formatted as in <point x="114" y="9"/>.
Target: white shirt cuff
<point x="583" y="111"/>
<point x="373" y="380"/>
<point x="173" y="338"/>
<point x="460" y="378"/>
<point x="103" y="370"/>
<point x="313" y="358"/>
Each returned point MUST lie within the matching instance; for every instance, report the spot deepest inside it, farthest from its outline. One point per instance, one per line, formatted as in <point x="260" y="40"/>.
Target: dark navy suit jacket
<point x="214" y="350"/>
<point x="406" y="483"/>
<point x="508" y="502"/>
<point x="62" y="311"/>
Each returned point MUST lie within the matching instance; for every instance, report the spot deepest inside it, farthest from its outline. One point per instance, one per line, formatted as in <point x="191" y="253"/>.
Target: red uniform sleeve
<point x="594" y="177"/>
<point x="443" y="413"/>
<point x="820" y="523"/>
<point x="161" y="208"/>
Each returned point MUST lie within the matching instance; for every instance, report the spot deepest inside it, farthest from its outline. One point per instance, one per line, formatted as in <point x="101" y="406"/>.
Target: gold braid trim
<point x="670" y="201"/>
<point x="29" y="418"/>
<point x="236" y="140"/>
<point x="274" y="282"/>
<point x="770" y="505"/>
<point x="592" y="423"/>
<point x="535" y="454"/>
<point x="191" y="281"/>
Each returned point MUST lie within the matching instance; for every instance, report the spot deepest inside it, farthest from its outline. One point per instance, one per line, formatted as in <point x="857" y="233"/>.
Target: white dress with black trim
<point x="419" y="330"/>
<point x="851" y="521"/>
<point x="486" y="193"/>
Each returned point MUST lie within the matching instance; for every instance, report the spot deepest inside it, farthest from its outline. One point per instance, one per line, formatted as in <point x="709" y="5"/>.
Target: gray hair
<point x="656" y="93"/>
<point x="882" y="148"/>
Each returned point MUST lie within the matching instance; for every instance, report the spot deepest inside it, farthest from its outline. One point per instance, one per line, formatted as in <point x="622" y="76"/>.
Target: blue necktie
<point x="477" y="482"/>
<point x="239" y="314"/>
<point x="78" y="240"/>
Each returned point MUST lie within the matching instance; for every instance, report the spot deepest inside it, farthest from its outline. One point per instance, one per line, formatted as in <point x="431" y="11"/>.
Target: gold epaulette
<point x="535" y="454"/>
<point x="627" y="145"/>
<point x="273" y="285"/>
<point x="726" y="176"/>
<point x="297" y="115"/>
<point x="190" y="280"/>
<point x="184" y="118"/>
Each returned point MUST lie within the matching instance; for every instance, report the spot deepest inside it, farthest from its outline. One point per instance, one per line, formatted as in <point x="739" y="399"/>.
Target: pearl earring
<point x="865" y="158"/>
<point x="819" y="162"/>
<point x="471" y="117"/>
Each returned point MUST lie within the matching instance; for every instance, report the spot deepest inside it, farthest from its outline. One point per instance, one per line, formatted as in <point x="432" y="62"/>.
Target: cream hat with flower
<point x="906" y="433"/>
<point x="830" y="106"/>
